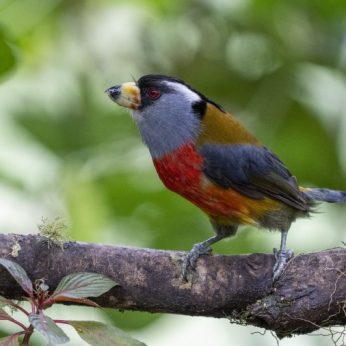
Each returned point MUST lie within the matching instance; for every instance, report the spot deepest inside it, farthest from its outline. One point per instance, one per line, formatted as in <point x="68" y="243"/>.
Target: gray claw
<point x="191" y="258"/>
<point x="282" y="257"/>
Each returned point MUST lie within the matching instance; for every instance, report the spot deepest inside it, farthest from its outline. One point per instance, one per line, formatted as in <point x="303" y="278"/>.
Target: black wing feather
<point x="253" y="171"/>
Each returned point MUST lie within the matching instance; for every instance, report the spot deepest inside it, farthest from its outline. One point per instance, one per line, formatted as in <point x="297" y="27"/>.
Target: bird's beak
<point x="126" y="95"/>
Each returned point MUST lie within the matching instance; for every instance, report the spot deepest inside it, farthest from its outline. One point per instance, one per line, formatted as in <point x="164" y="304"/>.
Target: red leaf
<point x="81" y="285"/>
<point x="99" y="334"/>
<point x="18" y="274"/>
<point x="48" y="328"/>
<point x="4" y="315"/>
<point x="11" y="340"/>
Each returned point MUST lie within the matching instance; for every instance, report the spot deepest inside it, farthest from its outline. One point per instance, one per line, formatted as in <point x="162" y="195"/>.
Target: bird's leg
<point x="282" y="256"/>
<point x="222" y="231"/>
<point x="196" y="251"/>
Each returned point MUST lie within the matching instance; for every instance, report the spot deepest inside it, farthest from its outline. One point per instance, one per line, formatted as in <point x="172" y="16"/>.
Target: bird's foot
<point x="192" y="257"/>
<point x="281" y="257"/>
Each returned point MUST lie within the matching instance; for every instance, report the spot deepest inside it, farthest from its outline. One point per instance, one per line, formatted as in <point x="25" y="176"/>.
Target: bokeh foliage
<point x="279" y="65"/>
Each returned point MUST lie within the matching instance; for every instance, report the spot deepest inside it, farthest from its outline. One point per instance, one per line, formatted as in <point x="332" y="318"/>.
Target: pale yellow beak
<point x="125" y="95"/>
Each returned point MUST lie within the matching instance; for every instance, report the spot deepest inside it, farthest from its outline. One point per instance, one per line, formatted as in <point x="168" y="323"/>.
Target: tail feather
<point x="325" y="195"/>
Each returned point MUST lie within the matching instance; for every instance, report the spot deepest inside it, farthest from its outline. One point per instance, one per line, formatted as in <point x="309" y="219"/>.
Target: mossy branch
<point x="310" y="294"/>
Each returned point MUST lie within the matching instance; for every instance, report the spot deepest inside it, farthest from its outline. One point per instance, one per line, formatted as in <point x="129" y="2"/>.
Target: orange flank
<point x="181" y="172"/>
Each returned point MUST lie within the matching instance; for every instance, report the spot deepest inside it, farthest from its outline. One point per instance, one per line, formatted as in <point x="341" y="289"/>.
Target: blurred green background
<point x="67" y="150"/>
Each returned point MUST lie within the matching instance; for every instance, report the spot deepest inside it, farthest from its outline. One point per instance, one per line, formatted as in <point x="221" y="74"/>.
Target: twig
<point x="237" y="287"/>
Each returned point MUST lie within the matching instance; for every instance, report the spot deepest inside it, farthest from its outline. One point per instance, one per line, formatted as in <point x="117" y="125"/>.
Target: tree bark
<point x="311" y="293"/>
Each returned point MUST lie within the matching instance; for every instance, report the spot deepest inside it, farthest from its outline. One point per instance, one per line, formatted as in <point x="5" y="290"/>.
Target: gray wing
<point x="253" y="171"/>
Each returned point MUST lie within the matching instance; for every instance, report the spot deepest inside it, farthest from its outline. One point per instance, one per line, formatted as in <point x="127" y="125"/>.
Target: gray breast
<point x="167" y="124"/>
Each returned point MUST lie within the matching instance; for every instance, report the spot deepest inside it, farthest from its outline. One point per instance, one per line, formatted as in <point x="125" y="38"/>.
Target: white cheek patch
<point x="184" y="90"/>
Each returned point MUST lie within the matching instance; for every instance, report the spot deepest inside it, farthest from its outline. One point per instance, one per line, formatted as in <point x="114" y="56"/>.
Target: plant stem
<point x="47" y="303"/>
<point x="62" y="321"/>
<point x="20" y="333"/>
<point x="33" y="305"/>
<point x="18" y="323"/>
<point x="27" y="336"/>
<point x="18" y="307"/>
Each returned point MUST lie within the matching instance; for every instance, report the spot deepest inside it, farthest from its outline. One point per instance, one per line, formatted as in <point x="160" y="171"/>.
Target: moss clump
<point x="54" y="231"/>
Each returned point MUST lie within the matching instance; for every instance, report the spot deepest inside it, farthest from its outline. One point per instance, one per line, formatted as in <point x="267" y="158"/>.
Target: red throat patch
<point x="180" y="170"/>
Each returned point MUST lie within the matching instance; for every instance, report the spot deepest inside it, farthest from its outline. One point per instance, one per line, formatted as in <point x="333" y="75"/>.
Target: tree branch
<point x="311" y="293"/>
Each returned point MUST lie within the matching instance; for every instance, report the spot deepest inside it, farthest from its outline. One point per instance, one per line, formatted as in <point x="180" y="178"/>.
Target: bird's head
<point x="167" y="111"/>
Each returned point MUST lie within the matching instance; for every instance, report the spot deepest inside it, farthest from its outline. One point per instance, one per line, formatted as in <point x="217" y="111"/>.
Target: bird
<point x="205" y="154"/>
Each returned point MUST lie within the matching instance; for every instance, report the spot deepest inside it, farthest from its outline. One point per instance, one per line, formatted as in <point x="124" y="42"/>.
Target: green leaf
<point x="18" y="274"/>
<point x="48" y="328"/>
<point x="99" y="334"/>
<point x="7" y="57"/>
<point x="82" y="285"/>
<point x="11" y="340"/>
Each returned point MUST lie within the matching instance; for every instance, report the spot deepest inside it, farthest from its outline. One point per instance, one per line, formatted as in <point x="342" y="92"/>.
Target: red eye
<point x="153" y="93"/>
